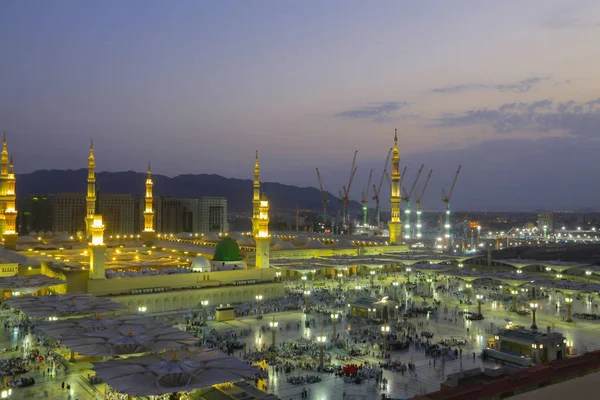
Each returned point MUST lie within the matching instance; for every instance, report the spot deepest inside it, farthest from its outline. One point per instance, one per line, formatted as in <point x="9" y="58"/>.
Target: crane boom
<point x="320" y="183"/>
<point x="365" y="194"/>
<point x="387" y="160"/>
<point x="415" y="182"/>
<point x="424" y="187"/>
<point x="454" y="183"/>
<point x="351" y="180"/>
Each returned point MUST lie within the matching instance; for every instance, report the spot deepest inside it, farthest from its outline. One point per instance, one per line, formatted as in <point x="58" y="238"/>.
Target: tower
<point x="97" y="248"/>
<point x="10" y="213"/>
<point x="148" y="234"/>
<point x="91" y="192"/>
<point x="3" y="185"/>
<point x="256" y="198"/>
<point x="263" y="239"/>
<point x="395" y="223"/>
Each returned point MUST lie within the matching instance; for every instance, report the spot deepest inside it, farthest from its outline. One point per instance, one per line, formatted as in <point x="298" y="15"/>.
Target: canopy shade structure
<point x="170" y="372"/>
<point x="96" y="337"/>
<point x="28" y="284"/>
<point x="63" y="305"/>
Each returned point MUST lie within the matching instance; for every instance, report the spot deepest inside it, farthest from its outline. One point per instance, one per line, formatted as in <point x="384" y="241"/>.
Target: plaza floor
<point x="584" y="335"/>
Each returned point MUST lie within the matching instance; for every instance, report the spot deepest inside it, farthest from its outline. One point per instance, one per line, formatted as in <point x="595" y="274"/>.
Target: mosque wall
<point x="188" y="299"/>
<point x="328" y="252"/>
<point x="157" y="283"/>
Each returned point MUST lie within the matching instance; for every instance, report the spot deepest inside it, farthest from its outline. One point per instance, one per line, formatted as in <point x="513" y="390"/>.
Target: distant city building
<point x="213" y="214"/>
<point x="547" y="220"/>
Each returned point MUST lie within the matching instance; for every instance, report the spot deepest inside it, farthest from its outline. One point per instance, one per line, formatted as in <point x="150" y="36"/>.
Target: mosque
<point x="154" y="273"/>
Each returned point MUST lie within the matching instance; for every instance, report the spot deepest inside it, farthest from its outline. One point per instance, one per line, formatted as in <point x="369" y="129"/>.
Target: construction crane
<point x="345" y="195"/>
<point x="419" y="226"/>
<point x="406" y="197"/>
<point x="446" y="199"/>
<point x="365" y="196"/>
<point x="323" y="198"/>
<point x="377" y="190"/>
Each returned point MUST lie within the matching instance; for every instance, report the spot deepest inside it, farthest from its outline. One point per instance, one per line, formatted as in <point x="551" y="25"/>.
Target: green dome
<point x="227" y="250"/>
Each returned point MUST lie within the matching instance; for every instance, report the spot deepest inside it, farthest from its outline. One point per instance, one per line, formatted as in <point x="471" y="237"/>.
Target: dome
<point x="227" y="250"/>
<point x="26" y="239"/>
<point x="274" y="240"/>
<point x="314" y="244"/>
<point x="245" y="241"/>
<point x="184" y="235"/>
<point x="299" y="241"/>
<point x="235" y="235"/>
<point x="201" y="264"/>
<point x="210" y="237"/>
<point x="283" y="245"/>
<point x="61" y="238"/>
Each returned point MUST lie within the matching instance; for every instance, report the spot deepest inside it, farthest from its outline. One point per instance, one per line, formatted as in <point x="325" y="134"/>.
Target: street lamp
<point x="479" y="301"/>
<point x="321" y="340"/>
<point x="258" y="300"/>
<point x="559" y="276"/>
<point x="372" y="276"/>
<point x="395" y="285"/>
<point x="142" y="309"/>
<point x="334" y="318"/>
<point x="304" y="278"/>
<point x="204" y="303"/>
<point x="408" y="270"/>
<point x="514" y="293"/>
<point x="569" y="301"/>
<point x="588" y="274"/>
<point x="273" y="324"/>
<point x="429" y="280"/>
<point x="534" y="307"/>
<point x="468" y="286"/>
<point x="278" y="275"/>
<point x="306" y="294"/>
<point x="385" y="330"/>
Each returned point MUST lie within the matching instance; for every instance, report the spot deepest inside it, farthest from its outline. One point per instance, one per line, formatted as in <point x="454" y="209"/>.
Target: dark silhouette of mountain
<point x="237" y="191"/>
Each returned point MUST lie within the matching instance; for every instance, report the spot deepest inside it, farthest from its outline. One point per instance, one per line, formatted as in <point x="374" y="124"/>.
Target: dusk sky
<point x="510" y="90"/>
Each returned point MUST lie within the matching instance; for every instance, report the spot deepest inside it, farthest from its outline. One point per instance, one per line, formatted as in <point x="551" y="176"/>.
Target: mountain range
<point x="237" y="191"/>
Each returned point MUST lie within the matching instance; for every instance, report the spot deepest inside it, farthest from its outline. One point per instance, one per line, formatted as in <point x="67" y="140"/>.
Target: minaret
<point x="395" y="223"/>
<point x="97" y="248"/>
<point x="3" y="185"/>
<point x="10" y="213"/>
<point x="148" y="234"/>
<point x="91" y="191"/>
<point x="256" y="198"/>
<point x="262" y="239"/>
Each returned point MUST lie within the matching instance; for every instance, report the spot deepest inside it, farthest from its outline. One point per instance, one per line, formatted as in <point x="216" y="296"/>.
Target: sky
<point x="510" y="90"/>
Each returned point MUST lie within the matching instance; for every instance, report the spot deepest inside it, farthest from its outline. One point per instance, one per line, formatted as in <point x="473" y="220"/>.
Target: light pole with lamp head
<point x="340" y="277"/>
<point x="273" y="324"/>
<point x="588" y="274"/>
<point x="372" y="273"/>
<point x="408" y="270"/>
<point x="429" y="280"/>
<point x="395" y="285"/>
<point x="534" y="306"/>
<point x="278" y="276"/>
<point x="385" y="330"/>
<point x="468" y="286"/>
<point x="514" y="293"/>
<point x="204" y="304"/>
<point x="479" y="301"/>
<point x="306" y="294"/>
<point x="258" y="300"/>
<point x="569" y="301"/>
<point x="334" y="318"/>
<point x="321" y="340"/>
<point x="304" y="278"/>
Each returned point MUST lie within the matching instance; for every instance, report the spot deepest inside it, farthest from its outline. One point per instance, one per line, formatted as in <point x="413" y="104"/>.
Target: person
<point x="63" y="385"/>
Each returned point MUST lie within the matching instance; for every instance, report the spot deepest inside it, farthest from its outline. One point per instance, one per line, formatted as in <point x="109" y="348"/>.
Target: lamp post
<point x="408" y="274"/>
<point x="304" y="278"/>
<point x="468" y="286"/>
<point x="534" y="307"/>
<point x="273" y="324"/>
<point x="429" y="280"/>
<point x="278" y="276"/>
<point x="385" y="330"/>
<point x="204" y="303"/>
<point x="258" y="299"/>
<point x="569" y="301"/>
<point x="372" y="273"/>
<point x="321" y="340"/>
<point x="479" y="301"/>
<point x="306" y="294"/>
<point x="395" y="285"/>
<point x="334" y="318"/>
<point x="588" y="274"/>
<point x="340" y="277"/>
<point x="514" y="294"/>
<point x="142" y="309"/>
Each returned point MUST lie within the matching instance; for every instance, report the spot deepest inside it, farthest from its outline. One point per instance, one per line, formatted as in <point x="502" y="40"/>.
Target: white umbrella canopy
<point x="28" y="284"/>
<point x="170" y="372"/>
<point x="63" y="305"/>
<point x="119" y="336"/>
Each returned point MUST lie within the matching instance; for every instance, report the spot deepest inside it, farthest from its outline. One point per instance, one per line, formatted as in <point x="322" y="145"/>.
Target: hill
<point x="237" y="191"/>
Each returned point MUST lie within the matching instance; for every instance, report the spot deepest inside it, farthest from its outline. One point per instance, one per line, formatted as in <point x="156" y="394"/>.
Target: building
<point x="545" y="221"/>
<point x="213" y="214"/>
<point x="37" y="214"/>
<point x="8" y="207"/>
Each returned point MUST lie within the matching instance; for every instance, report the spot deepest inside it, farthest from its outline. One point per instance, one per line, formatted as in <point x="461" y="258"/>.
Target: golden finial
<point x="98" y="317"/>
<point x="149" y="171"/>
<point x="73" y="301"/>
<point x="131" y="334"/>
<point x="91" y="144"/>
<point x="396" y="135"/>
<point x="175" y="357"/>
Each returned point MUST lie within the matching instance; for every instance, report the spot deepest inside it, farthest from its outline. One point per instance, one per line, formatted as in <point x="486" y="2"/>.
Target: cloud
<point x="521" y="86"/>
<point x="576" y="119"/>
<point x="383" y="111"/>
